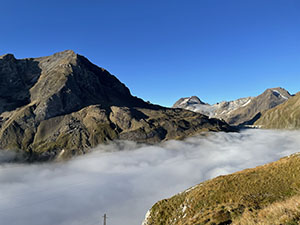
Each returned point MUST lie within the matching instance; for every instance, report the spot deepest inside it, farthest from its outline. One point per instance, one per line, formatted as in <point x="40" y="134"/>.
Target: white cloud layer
<point x="125" y="179"/>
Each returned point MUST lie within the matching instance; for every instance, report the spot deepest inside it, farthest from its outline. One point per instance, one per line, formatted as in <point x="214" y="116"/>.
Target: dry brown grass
<point x="266" y="193"/>
<point x="283" y="116"/>
<point x="285" y="212"/>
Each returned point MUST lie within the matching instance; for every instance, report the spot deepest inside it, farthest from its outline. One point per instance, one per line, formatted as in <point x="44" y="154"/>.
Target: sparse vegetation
<point x="253" y="196"/>
<point x="284" y="116"/>
<point x="285" y="212"/>
<point x="64" y="105"/>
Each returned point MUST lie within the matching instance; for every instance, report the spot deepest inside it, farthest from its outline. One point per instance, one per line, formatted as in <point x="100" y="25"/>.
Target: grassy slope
<point x="284" y="116"/>
<point x="264" y="194"/>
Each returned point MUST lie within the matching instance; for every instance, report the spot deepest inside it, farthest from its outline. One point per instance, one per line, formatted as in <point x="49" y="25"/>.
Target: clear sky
<point x="167" y="49"/>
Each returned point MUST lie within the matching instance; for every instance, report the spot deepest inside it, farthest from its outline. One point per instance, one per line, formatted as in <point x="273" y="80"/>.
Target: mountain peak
<point x="65" y="53"/>
<point x="195" y="100"/>
<point x="238" y="112"/>
<point x="8" y="56"/>
<point x="63" y="57"/>
<point x="184" y="102"/>
<point x="278" y="92"/>
<point x="276" y="89"/>
<point x="63" y="102"/>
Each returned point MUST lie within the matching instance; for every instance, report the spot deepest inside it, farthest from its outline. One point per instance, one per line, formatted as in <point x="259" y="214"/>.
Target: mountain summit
<point x="243" y="111"/>
<point x="189" y="101"/>
<point x="284" y="116"/>
<point x="59" y="84"/>
<point x="63" y="104"/>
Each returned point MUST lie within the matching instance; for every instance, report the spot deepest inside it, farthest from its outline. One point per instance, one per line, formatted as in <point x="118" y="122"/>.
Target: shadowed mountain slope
<point x="284" y="116"/>
<point x="63" y="104"/>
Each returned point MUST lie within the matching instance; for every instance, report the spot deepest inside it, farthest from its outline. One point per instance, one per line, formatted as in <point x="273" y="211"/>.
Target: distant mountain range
<point x="266" y="195"/>
<point x="61" y="105"/>
<point x="243" y="111"/>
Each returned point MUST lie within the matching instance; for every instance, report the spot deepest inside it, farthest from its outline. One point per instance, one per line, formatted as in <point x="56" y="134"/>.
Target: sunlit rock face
<point x="243" y="111"/>
<point x="64" y="102"/>
<point x="284" y="116"/>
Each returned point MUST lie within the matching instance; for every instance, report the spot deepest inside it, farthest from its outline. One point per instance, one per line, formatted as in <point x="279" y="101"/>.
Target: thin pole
<point x="104" y="219"/>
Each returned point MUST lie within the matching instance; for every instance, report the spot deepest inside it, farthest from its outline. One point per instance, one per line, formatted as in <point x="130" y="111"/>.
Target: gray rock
<point x="61" y="105"/>
<point x="243" y="111"/>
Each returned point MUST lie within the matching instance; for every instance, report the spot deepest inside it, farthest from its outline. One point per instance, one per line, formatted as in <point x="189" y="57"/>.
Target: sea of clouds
<point x="125" y="179"/>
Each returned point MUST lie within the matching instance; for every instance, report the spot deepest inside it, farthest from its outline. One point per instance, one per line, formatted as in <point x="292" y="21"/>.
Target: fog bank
<point x="125" y="179"/>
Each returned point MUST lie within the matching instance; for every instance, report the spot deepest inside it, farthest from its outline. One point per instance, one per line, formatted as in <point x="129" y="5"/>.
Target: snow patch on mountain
<point x="215" y="110"/>
<point x="277" y="93"/>
<point x="242" y="111"/>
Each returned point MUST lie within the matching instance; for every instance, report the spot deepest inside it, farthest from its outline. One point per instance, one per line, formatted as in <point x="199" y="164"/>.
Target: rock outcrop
<point x="63" y="105"/>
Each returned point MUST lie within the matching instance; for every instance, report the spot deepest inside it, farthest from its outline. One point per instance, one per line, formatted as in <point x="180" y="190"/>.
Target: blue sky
<point x="167" y="49"/>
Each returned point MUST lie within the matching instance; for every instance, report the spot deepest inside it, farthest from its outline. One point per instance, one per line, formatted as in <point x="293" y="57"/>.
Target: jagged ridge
<point x="243" y="111"/>
<point x="65" y="104"/>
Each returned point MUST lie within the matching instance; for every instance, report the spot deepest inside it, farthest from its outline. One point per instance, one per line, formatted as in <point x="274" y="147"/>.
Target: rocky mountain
<point x="191" y="102"/>
<point x="220" y="110"/>
<point x="284" y="116"/>
<point x="265" y="195"/>
<point x="195" y="104"/>
<point x="243" y="111"/>
<point x="63" y="105"/>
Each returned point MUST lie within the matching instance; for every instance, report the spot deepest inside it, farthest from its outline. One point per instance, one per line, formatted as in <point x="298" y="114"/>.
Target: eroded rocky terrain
<point x="243" y="111"/>
<point x="64" y="105"/>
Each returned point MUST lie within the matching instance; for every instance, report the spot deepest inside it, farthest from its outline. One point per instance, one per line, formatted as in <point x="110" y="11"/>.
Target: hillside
<point x="285" y="116"/>
<point x="243" y="111"/>
<point x="265" y="195"/>
<point x="63" y="105"/>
